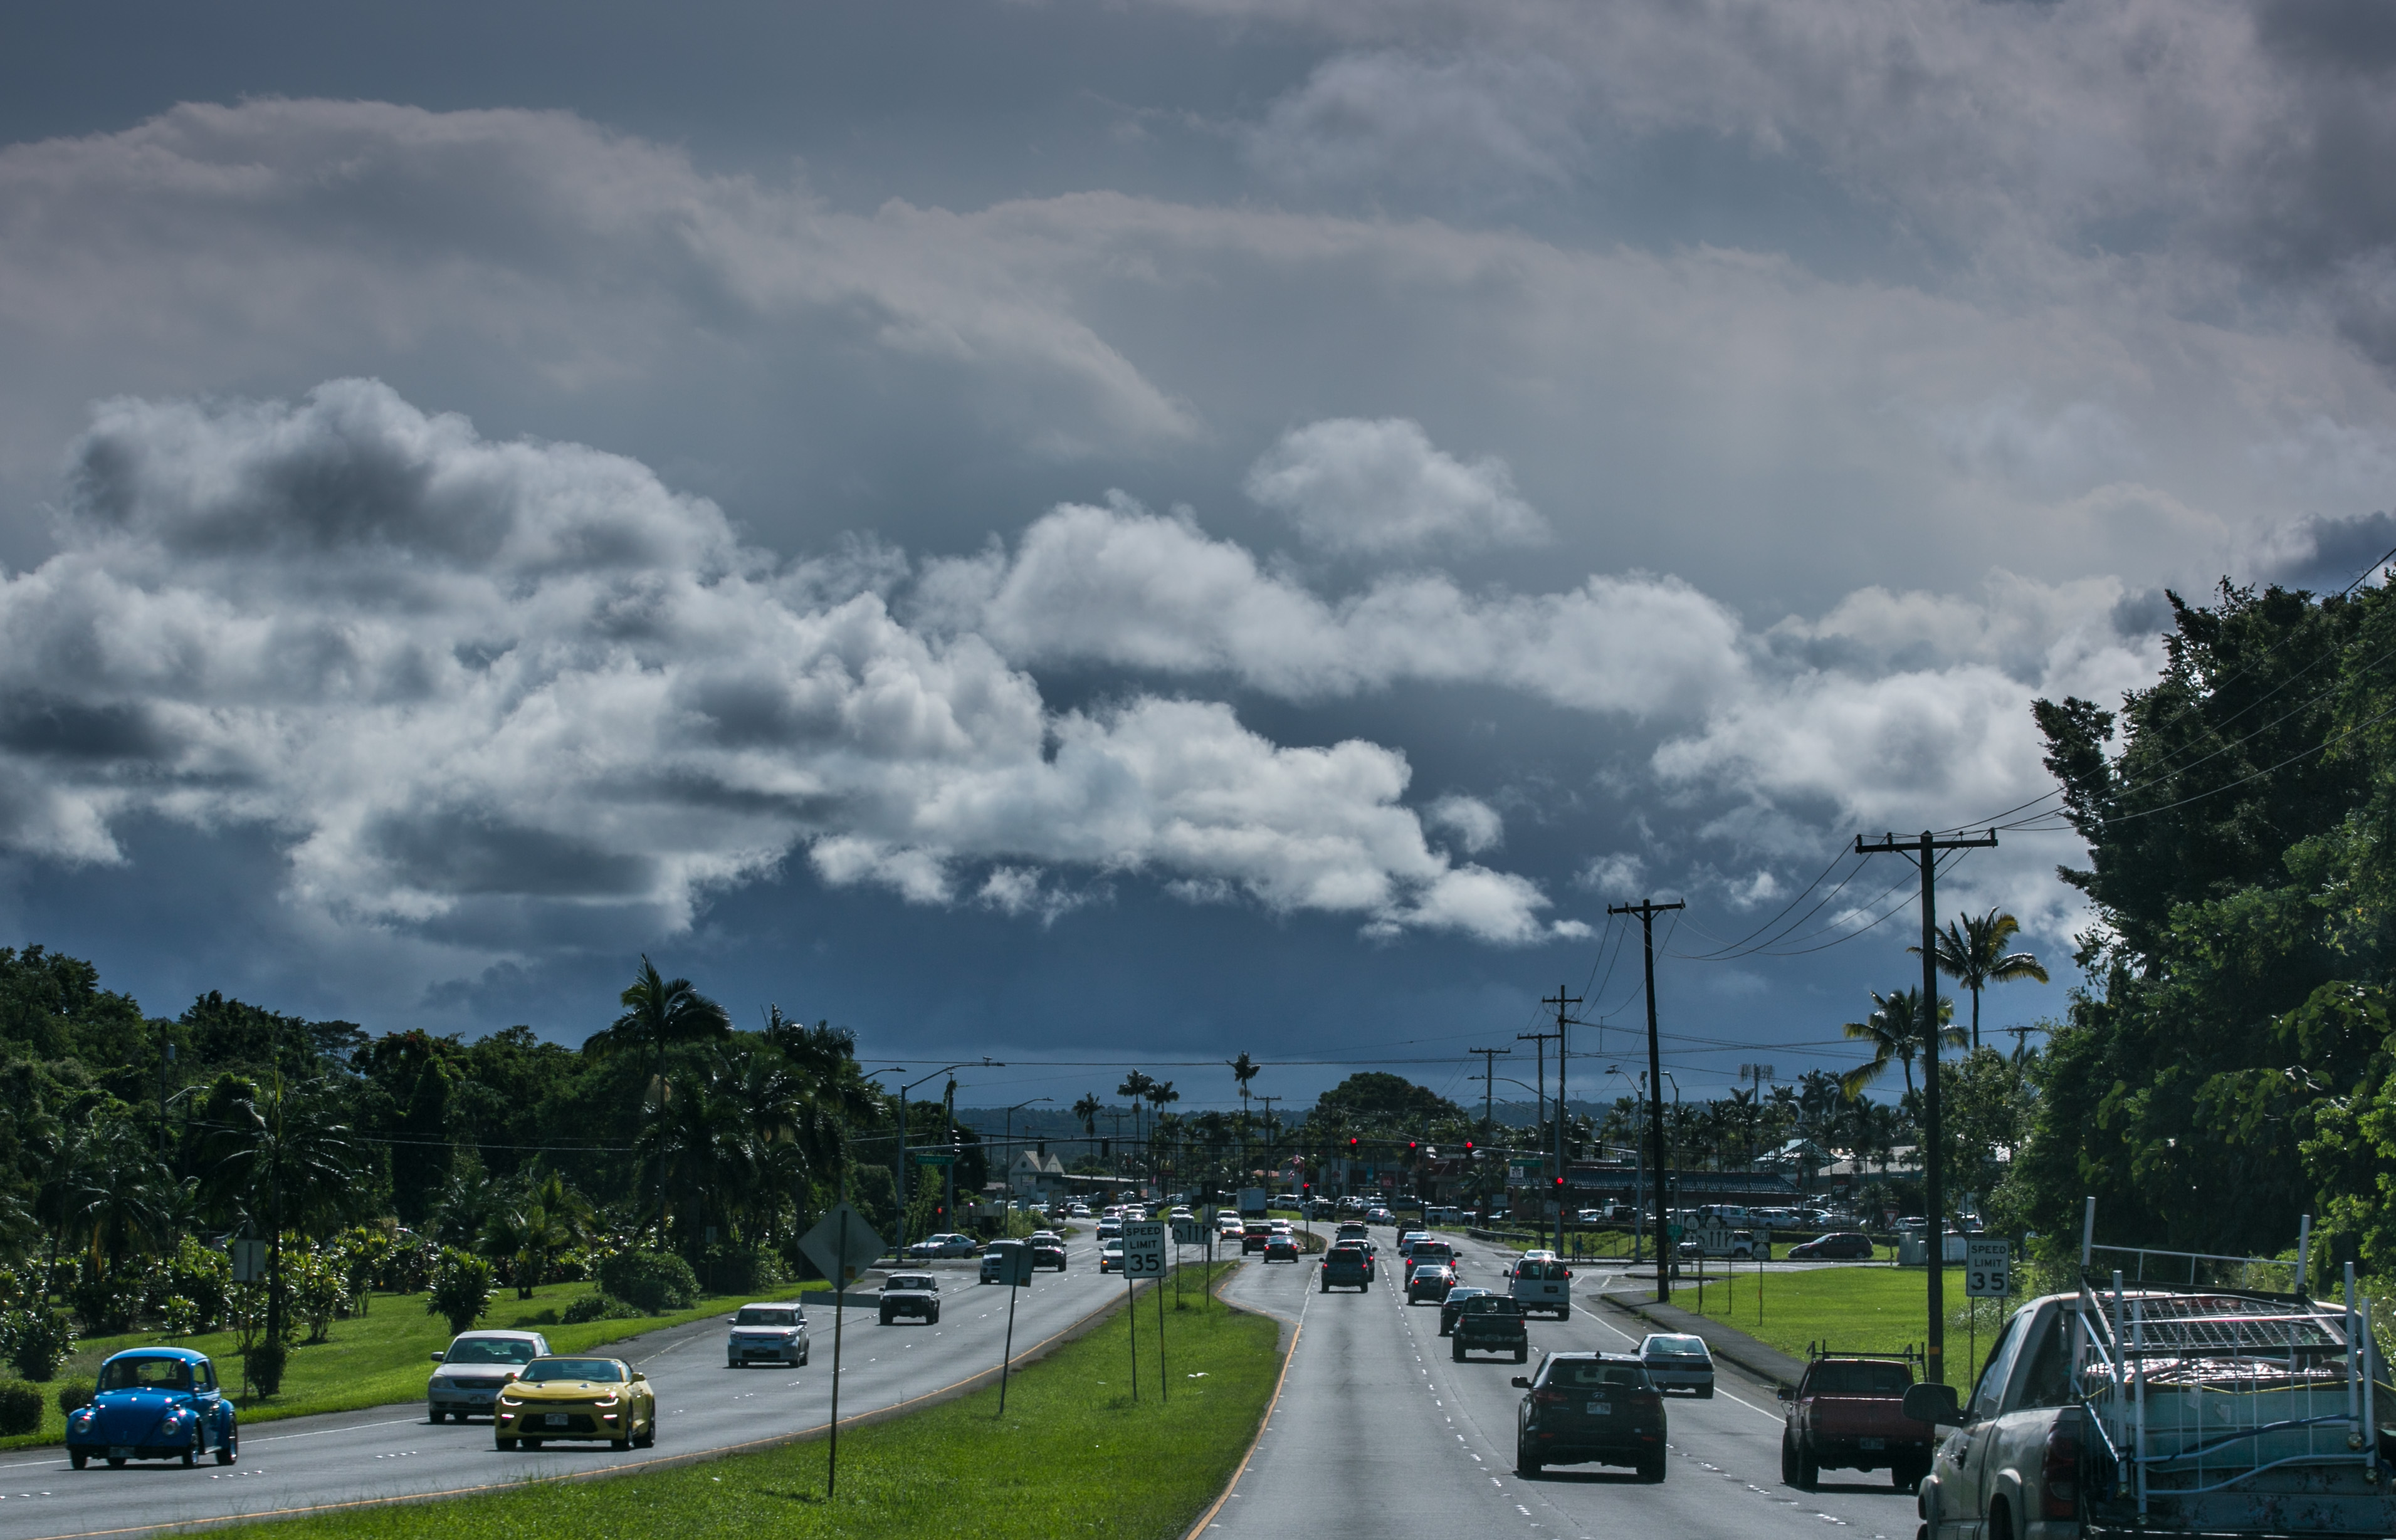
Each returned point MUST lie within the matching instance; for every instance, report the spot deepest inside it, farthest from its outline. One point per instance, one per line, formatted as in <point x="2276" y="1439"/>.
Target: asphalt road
<point x="389" y="1452"/>
<point x="1378" y="1432"/>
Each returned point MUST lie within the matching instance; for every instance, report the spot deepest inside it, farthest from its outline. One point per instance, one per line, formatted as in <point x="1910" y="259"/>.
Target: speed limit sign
<point x="1143" y="1248"/>
<point x="1988" y="1268"/>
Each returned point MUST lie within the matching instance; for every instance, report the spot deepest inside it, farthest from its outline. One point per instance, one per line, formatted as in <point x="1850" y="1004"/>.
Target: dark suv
<point x="1489" y="1323"/>
<point x="1843" y="1246"/>
<point x="1590" y="1409"/>
<point x="1346" y="1268"/>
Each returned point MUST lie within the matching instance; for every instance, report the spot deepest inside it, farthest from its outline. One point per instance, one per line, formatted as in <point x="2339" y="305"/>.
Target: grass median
<point x="1851" y="1309"/>
<point x="383" y="1356"/>
<point x="1072" y="1456"/>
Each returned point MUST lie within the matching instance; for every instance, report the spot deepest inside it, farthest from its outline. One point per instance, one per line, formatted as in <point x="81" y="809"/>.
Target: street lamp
<point x="961" y="1064"/>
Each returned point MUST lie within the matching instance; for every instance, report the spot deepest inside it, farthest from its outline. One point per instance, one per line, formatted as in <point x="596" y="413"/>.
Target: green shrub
<point x="656" y="1281"/>
<point x="460" y="1288"/>
<point x="41" y="1341"/>
<point x="178" y="1317"/>
<point x="263" y="1365"/>
<point x="743" y="1269"/>
<point x="72" y="1394"/>
<point x="21" y="1408"/>
<point x="597" y="1307"/>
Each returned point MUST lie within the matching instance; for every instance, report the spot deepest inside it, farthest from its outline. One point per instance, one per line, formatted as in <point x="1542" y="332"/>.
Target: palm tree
<point x="1971" y="952"/>
<point x="1897" y="1035"/>
<point x="1087" y="1109"/>
<point x="121" y="1198"/>
<point x="1135" y="1086"/>
<point x="279" y="1143"/>
<point x="657" y="1011"/>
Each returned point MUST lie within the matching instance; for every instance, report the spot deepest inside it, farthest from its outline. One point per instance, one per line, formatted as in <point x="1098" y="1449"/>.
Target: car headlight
<point x="508" y="1400"/>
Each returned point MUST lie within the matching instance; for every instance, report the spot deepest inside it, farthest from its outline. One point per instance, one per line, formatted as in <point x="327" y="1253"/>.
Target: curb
<point x="1728" y="1343"/>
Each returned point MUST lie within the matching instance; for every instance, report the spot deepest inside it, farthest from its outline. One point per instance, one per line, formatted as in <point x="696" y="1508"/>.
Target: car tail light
<point x="2059" y="1470"/>
<point x="1647" y="1397"/>
<point x="1548" y="1398"/>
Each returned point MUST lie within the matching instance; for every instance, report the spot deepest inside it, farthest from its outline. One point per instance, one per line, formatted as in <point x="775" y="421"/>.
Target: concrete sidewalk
<point x="1727" y="1343"/>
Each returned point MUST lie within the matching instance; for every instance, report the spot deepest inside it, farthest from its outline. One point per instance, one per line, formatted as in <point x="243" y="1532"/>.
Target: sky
<point x="1110" y="535"/>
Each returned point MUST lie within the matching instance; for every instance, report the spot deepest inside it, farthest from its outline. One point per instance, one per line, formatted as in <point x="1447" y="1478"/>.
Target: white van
<point x="1543" y="1283"/>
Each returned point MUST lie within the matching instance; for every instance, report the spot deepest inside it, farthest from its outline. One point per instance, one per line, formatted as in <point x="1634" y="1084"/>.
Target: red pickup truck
<point x="1849" y="1414"/>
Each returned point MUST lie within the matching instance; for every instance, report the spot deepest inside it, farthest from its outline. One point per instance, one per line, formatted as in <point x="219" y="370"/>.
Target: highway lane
<point x="1375" y="1426"/>
<point x="393" y="1452"/>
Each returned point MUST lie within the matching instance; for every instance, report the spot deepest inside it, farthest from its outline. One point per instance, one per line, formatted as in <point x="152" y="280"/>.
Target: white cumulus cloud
<point x="1378" y="488"/>
<point x="453" y="674"/>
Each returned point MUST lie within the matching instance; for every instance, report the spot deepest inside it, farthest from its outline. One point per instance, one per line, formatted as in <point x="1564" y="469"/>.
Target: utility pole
<point x="1647" y="910"/>
<point x="1564" y="1003"/>
<point x="1924" y="851"/>
<point x="1539" y="1073"/>
<point x="1273" y="1142"/>
<point x="1489" y="1057"/>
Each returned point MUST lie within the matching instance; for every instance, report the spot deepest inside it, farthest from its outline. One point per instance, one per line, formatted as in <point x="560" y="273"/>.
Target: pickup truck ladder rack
<point x="2196" y="1388"/>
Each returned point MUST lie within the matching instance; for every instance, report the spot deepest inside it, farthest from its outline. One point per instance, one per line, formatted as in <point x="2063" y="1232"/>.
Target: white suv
<point x="767" y="1333"/>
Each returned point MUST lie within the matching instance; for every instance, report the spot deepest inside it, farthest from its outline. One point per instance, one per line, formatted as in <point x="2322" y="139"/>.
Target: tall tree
<point x="659" y="1013"/>
<point x="1972" y="953"/>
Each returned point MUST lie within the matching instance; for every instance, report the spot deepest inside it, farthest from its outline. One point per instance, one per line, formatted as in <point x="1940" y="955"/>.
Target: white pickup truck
<point x="2166" y="1410"/>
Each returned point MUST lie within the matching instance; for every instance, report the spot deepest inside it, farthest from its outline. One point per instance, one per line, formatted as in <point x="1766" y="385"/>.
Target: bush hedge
<point x="656" y="1281"/>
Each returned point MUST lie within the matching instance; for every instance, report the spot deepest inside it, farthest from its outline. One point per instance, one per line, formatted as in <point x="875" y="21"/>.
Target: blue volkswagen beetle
<point x="154" y="1403"/>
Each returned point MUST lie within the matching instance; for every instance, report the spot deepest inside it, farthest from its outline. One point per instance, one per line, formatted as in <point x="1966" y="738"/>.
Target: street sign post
<point x="1988" y="1268"/>
<point x="1015" y="1271"/>
<point x="842" y="1245"/>
<point x="1144" y="1257"/>
<point x="1715" y="1240"/>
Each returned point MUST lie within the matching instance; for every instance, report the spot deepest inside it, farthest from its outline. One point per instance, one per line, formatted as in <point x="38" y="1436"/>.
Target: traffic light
<point x="1412" y="1147"/>
<point x="1468" y="1149"/>
<point x="1353" y="1142"/>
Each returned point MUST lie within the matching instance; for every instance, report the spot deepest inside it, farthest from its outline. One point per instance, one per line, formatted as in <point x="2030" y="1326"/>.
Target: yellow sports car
<point x="576" y="1397"/>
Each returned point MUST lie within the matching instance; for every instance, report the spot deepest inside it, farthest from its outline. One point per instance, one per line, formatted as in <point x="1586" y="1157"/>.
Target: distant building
<point x="1035" y="1174"/>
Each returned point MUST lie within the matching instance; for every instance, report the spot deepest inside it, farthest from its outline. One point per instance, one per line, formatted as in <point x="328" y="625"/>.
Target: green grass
<point x="1857" y="1309"/>
<point x="1072" y="1456"/>
<point x="380" y="1357"/>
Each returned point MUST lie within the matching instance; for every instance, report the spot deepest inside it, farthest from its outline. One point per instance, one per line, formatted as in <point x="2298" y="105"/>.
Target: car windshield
<point x="1676" y="1347"/>
<point x="1593" y="1374"/>
<point x="490" y="1350"/>
<point x="912" y="1281"/>
<point x="756" y="1316"/>
<point x="1858" y="1379"/>
<point x="146" y="1373"/>
<point x="1491" y="1305"/>
<point x="598" y="1371"/>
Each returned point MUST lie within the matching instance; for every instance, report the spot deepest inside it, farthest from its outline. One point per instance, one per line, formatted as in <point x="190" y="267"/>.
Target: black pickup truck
<point x="1490" y="1323"/>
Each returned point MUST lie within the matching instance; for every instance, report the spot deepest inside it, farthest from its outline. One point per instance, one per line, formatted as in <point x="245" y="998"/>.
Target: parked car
<point x="154" y="1403"/>
<point x="1429" y="1281"/>
<point x="473" y="1368"/>
<point x="1676" y="1360"/>
<point x="1848" y="1414"/>
<point x="1454" y="1303"/>
<point x="1489" y="1323"/>
<point x="767" y="1333"/>
<point x="1590" y="1409"/>
<point x="916" y="1295"/>
<point x="576" y="1397"/>
<point x="942" y="1245"/>
<point x="1839" y="1246"/>
<point x="1280" y="1246"/>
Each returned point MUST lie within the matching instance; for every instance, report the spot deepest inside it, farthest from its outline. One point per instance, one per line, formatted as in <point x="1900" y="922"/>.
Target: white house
<point x="1035" y="1174"/>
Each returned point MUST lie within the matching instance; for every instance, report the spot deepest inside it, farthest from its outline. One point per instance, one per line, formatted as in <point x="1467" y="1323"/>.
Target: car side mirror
<point x="1784" y="1393"/>
<point x="1521" y="1382"/>
<point x="436" y="1357"/>
<point x="638" y="1376"/>
<point x="1935" y="1404"/>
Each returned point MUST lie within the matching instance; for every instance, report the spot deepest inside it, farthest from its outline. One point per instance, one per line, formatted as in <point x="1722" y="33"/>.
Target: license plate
<point x="1871" y="1443"/>
<point x="123" y="1451"/>
<point x="557" y="1420"/>
<point x="1601" y="1409"/>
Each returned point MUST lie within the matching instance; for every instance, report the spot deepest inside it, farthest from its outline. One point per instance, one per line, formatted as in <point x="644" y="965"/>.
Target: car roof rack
<point x="1817" y="1352"/>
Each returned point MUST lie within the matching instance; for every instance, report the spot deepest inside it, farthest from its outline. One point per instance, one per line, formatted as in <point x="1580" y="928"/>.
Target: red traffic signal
<point x="1351" y="1141"/>
<point x="1467" y="1147"/>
